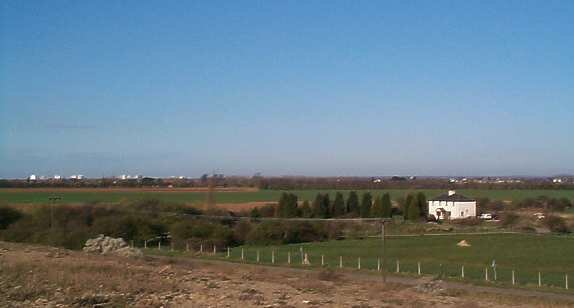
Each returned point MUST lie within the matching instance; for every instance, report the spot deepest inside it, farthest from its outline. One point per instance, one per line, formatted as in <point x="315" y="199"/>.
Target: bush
<point x="137" y="228"/>
<point x="196" y="232"/>
<point x="240" y="232"/>
<point x="266" y="233"/>
<point x="556" y="224"/>
<point x="8" y="216"/>
<point x="509" y="219"/>
<point x="304" y="232"/>
<point x="469" y="221"/>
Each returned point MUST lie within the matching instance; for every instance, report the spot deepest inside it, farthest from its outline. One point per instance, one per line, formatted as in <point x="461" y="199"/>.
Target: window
<point x="461" y="213"/>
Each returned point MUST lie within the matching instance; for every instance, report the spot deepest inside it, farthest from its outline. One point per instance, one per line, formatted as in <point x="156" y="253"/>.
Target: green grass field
<point x="71" y="196"/>
<point x="526" y="254"/>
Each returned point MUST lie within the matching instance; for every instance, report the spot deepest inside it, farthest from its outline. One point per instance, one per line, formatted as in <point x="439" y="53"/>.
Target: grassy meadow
<point x="526" y="254"/>
<point x="115" y="196"/>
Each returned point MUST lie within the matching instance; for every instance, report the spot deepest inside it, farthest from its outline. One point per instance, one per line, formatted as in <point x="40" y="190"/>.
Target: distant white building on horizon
<point x="451" y="206"/>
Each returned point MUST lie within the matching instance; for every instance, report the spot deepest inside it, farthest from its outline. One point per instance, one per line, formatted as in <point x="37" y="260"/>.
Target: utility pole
<point x="210" y="197"/>
<point x="383" y="269"/>
<point x="53" y="200"/>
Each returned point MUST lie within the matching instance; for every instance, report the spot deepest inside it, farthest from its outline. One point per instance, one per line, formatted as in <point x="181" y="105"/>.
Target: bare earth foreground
<point x="38" y="276"/>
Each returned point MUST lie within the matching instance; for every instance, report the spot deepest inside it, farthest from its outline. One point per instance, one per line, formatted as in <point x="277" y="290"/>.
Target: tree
<point x="366" y="204"/>
<point x="353" y="204"/>
<point x="377" y="210"/>
<point x="422" y="204"/>
<point x="405" y="205"/>
<point x="255" y="213"/>
<point x="316" y="207"/>
<point x="305" y="210"/>
<point x="287" y="207"/>
<point x="387" y="205"/>
<point x="338" y="205"/>
<point x="413" y="211"/>
<point x="321" y="205"/>
<point x="326" y="206"/>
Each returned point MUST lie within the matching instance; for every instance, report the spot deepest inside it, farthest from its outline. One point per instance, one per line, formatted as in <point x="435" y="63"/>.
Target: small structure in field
<point x="452" y="206"/>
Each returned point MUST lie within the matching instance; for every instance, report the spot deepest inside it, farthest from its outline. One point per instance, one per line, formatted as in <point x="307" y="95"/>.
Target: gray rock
<point x="106" y="245"/>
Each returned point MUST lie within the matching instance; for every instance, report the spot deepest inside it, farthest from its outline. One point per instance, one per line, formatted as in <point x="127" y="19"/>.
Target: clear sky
<point x="286" y="87"/>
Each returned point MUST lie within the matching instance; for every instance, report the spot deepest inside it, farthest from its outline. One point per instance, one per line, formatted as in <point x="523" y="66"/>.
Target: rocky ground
<point x="37" y="276"/>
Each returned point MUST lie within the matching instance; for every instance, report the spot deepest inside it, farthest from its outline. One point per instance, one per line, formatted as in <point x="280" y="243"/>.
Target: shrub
<point x="8" y="216"/>
<point x="469" y="221"/>
<point x="509" y="219"/>
<point x="304" y="232"/>
<point x="240" y="231"/>
<point x="266" y="233"/>
<point x="198" y="232"/>
<point x="556" y="224"/>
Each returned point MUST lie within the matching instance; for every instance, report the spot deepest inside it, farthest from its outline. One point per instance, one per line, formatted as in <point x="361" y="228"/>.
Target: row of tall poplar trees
<point x="412" y="208"/>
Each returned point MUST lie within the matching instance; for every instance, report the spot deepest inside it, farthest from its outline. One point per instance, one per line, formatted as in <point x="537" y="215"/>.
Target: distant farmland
<point x="36" y="196"/>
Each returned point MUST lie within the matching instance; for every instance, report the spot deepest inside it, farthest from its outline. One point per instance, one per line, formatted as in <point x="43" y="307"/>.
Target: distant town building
<point x="32" y="177"/>
<point x="452" y="206"/>
<point x="57" y="177"/>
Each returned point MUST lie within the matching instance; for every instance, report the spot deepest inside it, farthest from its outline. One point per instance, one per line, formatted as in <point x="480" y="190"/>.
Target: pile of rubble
<point x="106" y="245"/>
<point x="430" y="286"/>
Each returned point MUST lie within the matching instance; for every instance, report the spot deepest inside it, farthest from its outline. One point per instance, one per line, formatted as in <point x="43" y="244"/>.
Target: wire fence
<point x="292" y="257"/>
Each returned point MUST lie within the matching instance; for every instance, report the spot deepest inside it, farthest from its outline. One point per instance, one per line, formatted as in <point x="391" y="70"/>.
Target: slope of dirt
<point x="37" y="276"/>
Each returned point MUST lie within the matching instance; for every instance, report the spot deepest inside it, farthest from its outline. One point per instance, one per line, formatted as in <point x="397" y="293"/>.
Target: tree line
<point x="413" y="207"/>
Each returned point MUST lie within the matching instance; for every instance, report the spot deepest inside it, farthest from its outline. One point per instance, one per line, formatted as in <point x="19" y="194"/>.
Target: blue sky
<point x="286" y="87"/>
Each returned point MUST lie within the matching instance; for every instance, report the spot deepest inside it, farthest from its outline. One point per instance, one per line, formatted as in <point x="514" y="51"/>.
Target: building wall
<point x="457" y="209"/>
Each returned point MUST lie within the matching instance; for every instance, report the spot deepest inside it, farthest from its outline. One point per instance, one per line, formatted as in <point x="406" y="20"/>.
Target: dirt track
<point x="34" y="276"/>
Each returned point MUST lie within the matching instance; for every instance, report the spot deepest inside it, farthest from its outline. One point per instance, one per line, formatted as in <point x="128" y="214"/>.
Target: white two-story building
<point x="452" y="206"/>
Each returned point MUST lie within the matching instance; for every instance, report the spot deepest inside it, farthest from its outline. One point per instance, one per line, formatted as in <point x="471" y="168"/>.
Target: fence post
<point x="340" y="261"/>
<point x="201" y="248"/>
<point x="494" y="270"/>
<point x="228" y="252"/>
<point x="486" y="273"/>
<point x="359" y="263"/>
<point x="289" y="257"/>
<point x="322" y="260"/>
<point x="462" y="272"/>
<point x="539" y="279"/>
<point x="145" y="244"/>
<point x="171" y="246"/>
<point x="566" y="281"/>
<point x="513" y="280"/>
<point x="214" y="249"/>
<point x="159" y="245"/>
<point x="419" y="268"/>
<point x="378" y="264"/>
<point x="273" y="256"/>
<point x="398" y="266"/>
<point x="258" y="256"/>
<point x="242" y="254"/>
